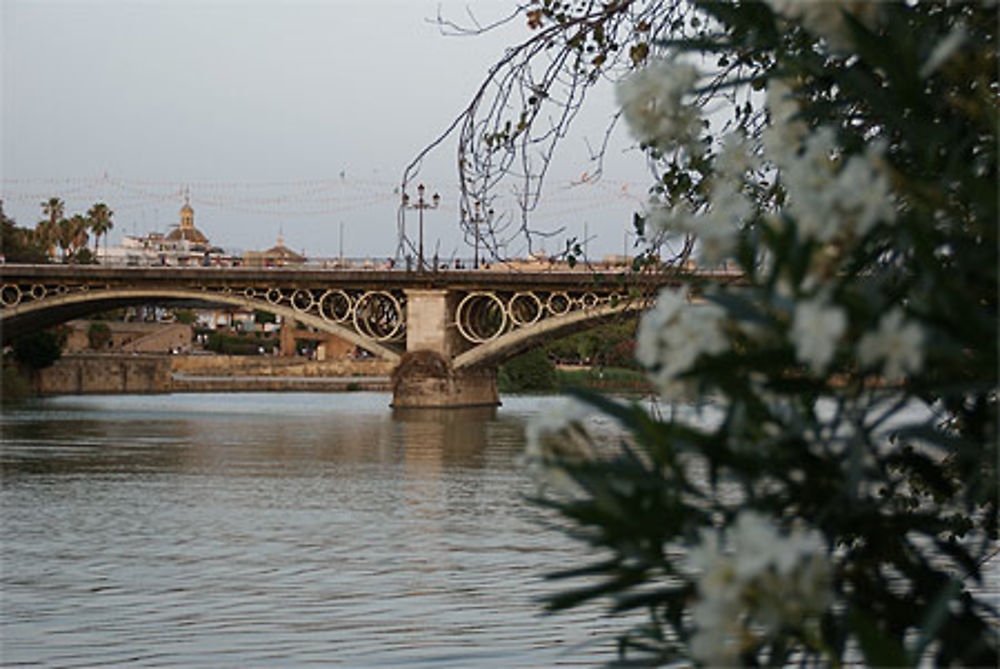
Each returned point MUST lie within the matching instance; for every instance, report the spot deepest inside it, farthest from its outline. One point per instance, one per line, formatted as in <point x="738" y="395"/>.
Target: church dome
<point x="186" y="230"/>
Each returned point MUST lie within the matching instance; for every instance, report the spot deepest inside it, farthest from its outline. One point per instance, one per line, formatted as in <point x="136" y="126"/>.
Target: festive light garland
<point x="314" y="197"/>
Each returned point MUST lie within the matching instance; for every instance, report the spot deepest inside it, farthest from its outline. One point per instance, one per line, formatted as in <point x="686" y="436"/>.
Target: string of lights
<point x="300" y="198"/>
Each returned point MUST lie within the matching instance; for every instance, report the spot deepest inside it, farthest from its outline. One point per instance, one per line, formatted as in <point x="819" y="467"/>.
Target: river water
<point x="251" y="529"/>
<point x="255" y="529"/>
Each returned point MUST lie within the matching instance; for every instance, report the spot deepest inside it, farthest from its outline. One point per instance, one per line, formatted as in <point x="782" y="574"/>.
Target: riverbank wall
<point x="86" y="374"/>
<point x="101" y="373"/>
<point x="242" y="365"/>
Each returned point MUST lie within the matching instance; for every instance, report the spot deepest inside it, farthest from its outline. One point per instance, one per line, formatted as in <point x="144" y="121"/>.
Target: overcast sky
<point x="279" y="115"/>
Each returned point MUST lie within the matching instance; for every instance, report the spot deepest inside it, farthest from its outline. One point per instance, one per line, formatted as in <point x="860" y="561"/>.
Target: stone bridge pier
<point x="426" y="375"/>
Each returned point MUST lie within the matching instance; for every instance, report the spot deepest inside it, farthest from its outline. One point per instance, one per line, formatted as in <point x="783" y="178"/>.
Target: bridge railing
<point x="513" y="266"/>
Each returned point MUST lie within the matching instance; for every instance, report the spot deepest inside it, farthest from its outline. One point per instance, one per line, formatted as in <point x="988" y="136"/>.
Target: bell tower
<point x="187" y="213"/>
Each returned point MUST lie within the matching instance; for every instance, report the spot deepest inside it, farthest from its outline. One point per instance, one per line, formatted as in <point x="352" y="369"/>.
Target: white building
<point x="185" y="245"/>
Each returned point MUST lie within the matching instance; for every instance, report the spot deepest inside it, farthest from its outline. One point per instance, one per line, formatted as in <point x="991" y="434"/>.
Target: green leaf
<point x="878" y="649"/>
<point x="936" y="616"/>
<point x="567" y="600"/>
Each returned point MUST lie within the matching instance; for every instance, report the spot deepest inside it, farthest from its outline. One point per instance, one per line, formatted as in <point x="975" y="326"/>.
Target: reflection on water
<point x="280" y="528"/>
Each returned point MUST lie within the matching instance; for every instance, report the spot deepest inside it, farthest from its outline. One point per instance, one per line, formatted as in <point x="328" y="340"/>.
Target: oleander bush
<point x="819" y="483"/>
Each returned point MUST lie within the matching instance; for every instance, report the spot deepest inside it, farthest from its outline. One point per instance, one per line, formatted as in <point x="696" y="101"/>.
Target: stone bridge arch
<point x="48" y="310"/>
<point x="457" y="339"/>
<point x="509" y="344"/>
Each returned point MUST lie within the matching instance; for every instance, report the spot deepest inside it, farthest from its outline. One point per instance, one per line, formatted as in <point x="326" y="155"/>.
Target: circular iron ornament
<point x="302" y="300"/>
<point x="558" y="304"/>
<point x="335" y="305"/>
<point x="589" y="300"/>
<point x="249" y="293"/>
<point x="37" y="291"/>
<point x="10" y="295"/>
<point x="614" y="299"/>
<point x="226" y="290"/>
<point x="377" y="315"/>
<point x="524" y="309"/>
<point x="481" y="317"/>
<point x="274" y="296"/>
<point x="62" y="289"/>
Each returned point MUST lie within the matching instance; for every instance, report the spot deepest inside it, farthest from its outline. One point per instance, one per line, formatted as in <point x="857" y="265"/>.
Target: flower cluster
<point x="554" y="435"/>
<point x="652" y="101"/>
<point x="758" y="583"/>
<point x="674" y="334"/>
<point x="816" y="328"/>
<point x="717" y="227"/>
<point x="899" y="345"/>
<point x="828" y="200"/>
<point x="825" y="18"/>
<point x="828" y="203"/>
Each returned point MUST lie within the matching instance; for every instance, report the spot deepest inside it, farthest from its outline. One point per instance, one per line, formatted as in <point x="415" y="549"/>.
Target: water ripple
<point x="278" y="529"/>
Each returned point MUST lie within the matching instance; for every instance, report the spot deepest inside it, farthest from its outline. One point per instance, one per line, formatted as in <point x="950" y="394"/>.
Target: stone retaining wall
<point x="252" y="365"/>
<point x="229" y="384"/>
<point x="106" y="374"/>
<point x="97" y="373"/>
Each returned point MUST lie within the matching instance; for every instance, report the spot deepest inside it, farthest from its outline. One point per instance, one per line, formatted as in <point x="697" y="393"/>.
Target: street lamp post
<point x="476" y="219"/>
<point x="420" y="205"/>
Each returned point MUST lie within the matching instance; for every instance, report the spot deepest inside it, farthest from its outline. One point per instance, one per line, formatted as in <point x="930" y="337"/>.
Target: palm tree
<point x="48" y="229"/>
<point x="64" y="237"/>
<point x="100" y="223"/>
<point x="78" y="237"/>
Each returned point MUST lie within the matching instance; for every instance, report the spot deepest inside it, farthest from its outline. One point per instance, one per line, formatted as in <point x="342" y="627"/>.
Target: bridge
<point x="447" y="331"/>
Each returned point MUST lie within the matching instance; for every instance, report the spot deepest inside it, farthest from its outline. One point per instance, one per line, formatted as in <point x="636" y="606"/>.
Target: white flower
<point x="561" y="417"/>
<point x="899" y="344"/>
<point x="654" y="322"/>
<point x="760" y="582"/>
<point x="652" y="101"/>
<point x="553" y="435"/>
<point x="735" y="159"/>
<point x="825" y="18"/>
<point x="718" y="229"/>
<point x="720" y="637"/>
<point x="827" y="203"/>
<point x="672" y="336"/>
<point x="756" y="543"/>
<point x="863" y="196"/>
<point x="661" y="217"/>
<point x="783" y="136"/>
<point x="809" y="181"/>
<point x="816" y="328"/>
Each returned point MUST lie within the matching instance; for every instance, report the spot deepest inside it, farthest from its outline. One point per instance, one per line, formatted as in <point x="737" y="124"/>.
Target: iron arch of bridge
<point x="59" y="308"/>
<point x="509" y="344"/>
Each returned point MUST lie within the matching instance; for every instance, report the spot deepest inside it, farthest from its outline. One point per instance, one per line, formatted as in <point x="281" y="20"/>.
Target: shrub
<point x="826" y="490"/>
<point x="40" y="350"/>
<point x="528" y="372"/>
<point x="98" y="335"/>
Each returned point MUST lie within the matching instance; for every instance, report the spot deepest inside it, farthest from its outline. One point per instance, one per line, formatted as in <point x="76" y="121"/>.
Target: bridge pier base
<point x="425" y="379"/>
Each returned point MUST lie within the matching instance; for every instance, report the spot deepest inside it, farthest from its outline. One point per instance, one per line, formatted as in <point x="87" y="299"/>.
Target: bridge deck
<point x="384" y="279"/>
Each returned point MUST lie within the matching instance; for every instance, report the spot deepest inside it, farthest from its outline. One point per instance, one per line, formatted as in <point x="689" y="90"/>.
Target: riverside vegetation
<point x="598" y="358"/>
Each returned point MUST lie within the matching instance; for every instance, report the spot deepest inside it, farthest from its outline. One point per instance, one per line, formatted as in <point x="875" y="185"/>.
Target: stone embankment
<point x="252" y="365"/>
<point x="102" y="373"/>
